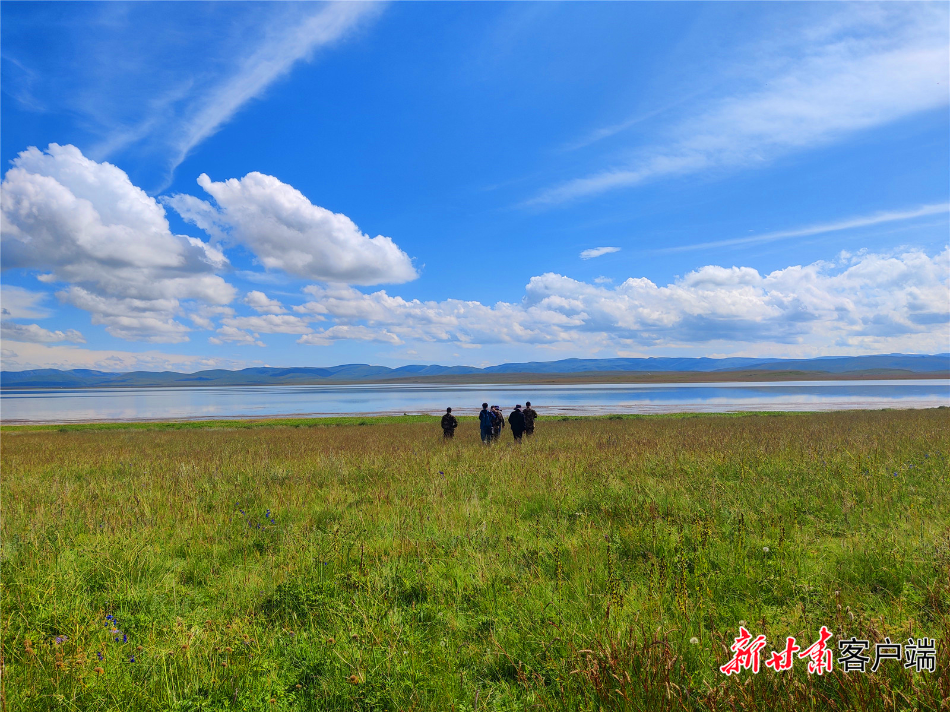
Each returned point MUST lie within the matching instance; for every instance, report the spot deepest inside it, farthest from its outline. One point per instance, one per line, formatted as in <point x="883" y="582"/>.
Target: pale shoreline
<point x="548" y="413"/>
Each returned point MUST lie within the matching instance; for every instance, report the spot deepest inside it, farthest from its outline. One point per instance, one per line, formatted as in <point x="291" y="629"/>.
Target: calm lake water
<point x="104" y="404"/>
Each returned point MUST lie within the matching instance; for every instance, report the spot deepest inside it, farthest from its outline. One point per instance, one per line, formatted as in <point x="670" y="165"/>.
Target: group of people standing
<point x="491" y="422"/>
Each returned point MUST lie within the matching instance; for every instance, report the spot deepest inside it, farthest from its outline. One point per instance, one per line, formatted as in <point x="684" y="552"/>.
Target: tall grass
<point x="379" y="568"/>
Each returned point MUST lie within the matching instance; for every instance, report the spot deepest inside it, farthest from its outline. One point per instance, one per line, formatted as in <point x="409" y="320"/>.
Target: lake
<point x="127" y="404"/>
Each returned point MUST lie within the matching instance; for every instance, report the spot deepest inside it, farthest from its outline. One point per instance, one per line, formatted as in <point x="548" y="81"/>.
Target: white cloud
<point x="848" y="224"/>
<point x="37" y="334"/>
<point x="128" y="318"/>
<point x="289" y="233"/>
<point x="22" y="356"/>
<point x="20" y="303"/>
<point x="270" y="323"/>
<point x="597" y="252"/>
<point x="93" y="229"/>
<point x="861" y="303"/>
<point x="867" y="68"/>
<point x="202" y="315"/>
<point x="232" y="335"/>
<point x="354" y="333"/>
<point x="261" y="303"/>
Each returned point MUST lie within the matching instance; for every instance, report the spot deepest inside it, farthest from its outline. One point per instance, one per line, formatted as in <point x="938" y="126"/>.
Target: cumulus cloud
<point x="287" y="232"/>
<point x="232" y="335"/>
<point x="270" y="323"/>
<point x="597" y="252"/>
<point x="10" y="331"/>
<point x="863" y="303"/>
<point x="90" y="227"/>
<point x="355" y="333"/>
<point x="261" y="303"/>
<point x="858" y="69"/>
<point x="203" y="314"/>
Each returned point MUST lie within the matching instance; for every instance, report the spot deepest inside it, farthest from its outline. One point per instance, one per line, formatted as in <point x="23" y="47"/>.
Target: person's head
<point x="527" y="404"/>
<point x="484" y="405"/>
<point x="518" y="407"/>
<point x="448" y="410"/>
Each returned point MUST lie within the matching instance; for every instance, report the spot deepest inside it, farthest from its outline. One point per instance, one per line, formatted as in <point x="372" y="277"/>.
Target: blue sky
<point x="192" y="185"/>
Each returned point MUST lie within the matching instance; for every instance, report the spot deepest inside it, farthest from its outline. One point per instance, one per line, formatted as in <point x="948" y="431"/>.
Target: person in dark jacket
<point x="498" y="422"/>
<point x="449" y="424"/>
<point x="485" y="423"/>
<point x="530" y="414"/>
<point x="516" y="421"/>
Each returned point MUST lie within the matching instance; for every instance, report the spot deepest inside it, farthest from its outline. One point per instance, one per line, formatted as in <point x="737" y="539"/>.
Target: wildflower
<point x="138" y="648"/>
<point x="60" y="639"/>
<point x="298" y="686"/>
<point x="765" y="549"/>
<point x="741" y="622"/>
<point x="125" y="638"/>
<point x="98" y="670"/>
<point x="441" y="473"/>
<point x="99" y="654"/>
<point x="353" y="679"/>
<point x="132" y="659"/>
<point x="694" y="640"/>
<point x="273" y="701"/>
<point x="330" y="641"/>
<point x="110" y="617"/>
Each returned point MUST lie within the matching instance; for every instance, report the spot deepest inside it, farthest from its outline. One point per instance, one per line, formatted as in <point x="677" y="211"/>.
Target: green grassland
<point x="365" y="564"/>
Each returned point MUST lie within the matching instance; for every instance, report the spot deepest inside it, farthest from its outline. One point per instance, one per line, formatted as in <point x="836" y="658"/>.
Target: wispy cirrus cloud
<point x="156" y="101"/>
<point x="877" y="218"/>
<point x="271" y="60"/>
<point x="865" y="70"/>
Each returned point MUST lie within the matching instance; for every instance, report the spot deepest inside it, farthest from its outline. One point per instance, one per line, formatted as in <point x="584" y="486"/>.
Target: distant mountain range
<point x="85" y="378"/>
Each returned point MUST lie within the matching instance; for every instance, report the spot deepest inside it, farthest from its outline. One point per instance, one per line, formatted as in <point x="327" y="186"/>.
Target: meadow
<point x="365" y="564"/>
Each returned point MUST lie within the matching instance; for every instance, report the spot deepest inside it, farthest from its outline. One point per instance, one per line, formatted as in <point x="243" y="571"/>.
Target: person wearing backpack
<point x="530" y="414"/>
<point x="498" y="422"/>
